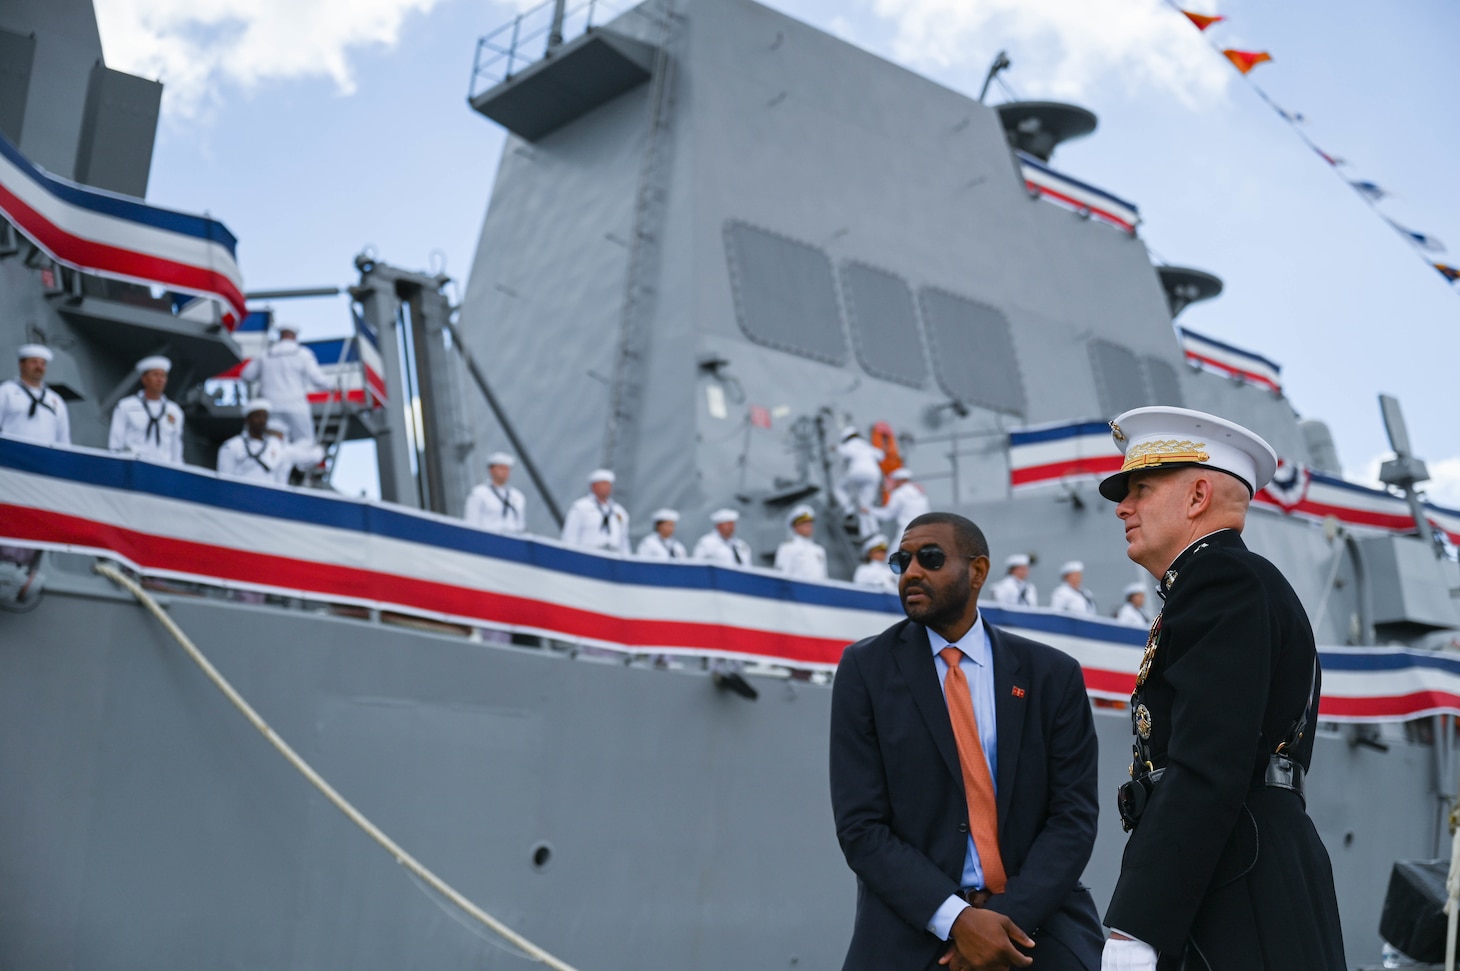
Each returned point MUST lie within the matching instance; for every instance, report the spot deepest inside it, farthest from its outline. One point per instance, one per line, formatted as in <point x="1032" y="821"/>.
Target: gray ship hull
<point x="683" y="827"/>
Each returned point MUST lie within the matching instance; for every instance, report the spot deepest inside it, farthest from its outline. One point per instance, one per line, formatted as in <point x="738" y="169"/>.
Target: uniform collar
<point x="1222" y="537"/>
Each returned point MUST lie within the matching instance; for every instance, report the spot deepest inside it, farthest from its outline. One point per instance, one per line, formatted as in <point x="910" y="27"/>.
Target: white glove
<point x="1126" y="955"/>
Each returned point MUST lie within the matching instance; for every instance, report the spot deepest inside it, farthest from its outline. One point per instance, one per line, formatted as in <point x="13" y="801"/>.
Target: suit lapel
<point x="1011" y="691"/>
<point x="914" y="656"/>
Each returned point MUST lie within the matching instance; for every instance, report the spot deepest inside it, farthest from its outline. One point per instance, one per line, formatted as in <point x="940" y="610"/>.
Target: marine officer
<point x="721" y="545"/>
<point x="255" y="454"/>
<point x="494" y="505"/>
<point x="1071" y="595"/>
<point x="147" y="424"/>
<point x="30" y="410"/>
<point x="1014" y="588"/>
<point x="596" y="521"/>
<point x="801" y="556"/>
<point x="661" y="544"/>
<point x="1224" y="870"/>
<point x="874" y="571"/>
<point x="1132" y="612"/>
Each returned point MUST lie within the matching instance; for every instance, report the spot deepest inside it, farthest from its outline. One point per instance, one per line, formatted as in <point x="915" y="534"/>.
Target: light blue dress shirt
<point x="978" y="669"/>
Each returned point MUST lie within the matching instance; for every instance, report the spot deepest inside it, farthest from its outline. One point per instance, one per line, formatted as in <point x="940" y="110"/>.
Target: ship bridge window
<point x="785" y="296"/>
<point x="1165" y="387"/>
<point x="884" y="325"/>
<point x="973" y="351"/>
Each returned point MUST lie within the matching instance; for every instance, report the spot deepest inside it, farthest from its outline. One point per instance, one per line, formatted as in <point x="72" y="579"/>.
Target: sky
<point x="318" y="129"/>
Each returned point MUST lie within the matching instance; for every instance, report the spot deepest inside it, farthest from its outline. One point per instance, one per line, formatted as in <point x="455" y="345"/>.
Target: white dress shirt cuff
<point x="944" y="916"/>
<point x="1127" y="955"/>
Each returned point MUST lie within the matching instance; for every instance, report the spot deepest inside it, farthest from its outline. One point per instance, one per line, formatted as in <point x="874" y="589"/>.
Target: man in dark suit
<point x="964" y="793"/>
<point x="1224" y="870"/>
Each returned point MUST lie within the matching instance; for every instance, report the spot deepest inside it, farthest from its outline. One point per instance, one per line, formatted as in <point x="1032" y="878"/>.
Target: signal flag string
<point x="1424" y="245"/>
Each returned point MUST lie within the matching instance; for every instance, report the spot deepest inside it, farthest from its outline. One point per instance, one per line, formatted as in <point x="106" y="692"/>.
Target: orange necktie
<point x="978" y="785"/>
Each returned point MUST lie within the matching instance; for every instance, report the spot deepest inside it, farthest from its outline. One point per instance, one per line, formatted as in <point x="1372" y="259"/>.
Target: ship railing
<point x="527" y="38"/>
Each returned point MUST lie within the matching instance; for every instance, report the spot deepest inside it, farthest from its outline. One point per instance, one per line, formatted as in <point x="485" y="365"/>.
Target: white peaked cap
<point x="35" y="350"/>
<point x="1016" y="559"/>
<point x="1164" y="437"/>
<point x="802" y="511"/>
<point x="501" y="458"/>
<point x="154" y="363"/>
<point x="664" y="516"/>
<point x="257" y="404"/>
<point x="902" y="474"/>
<point x="1074" y="566"/>
<point x="600" y="475"/>
<point x="1131" y="589"/>
<point x="873" y="542"/>
<point x="724" y="516"/>
<point x="851" y="431"/>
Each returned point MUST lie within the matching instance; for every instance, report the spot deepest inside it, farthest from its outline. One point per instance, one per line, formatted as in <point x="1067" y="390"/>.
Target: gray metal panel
<point x="17" y="57"/>
<point x="1410" y="588"/>
<point x="785" y="296"/>
<point x="1161" y="380"/>
<point x="67" y="45"/>
<point x="1118" y="377"/>
<point x="117" y="131"/>
<point x="973" y="351"/>
<point x="884" y="324"/>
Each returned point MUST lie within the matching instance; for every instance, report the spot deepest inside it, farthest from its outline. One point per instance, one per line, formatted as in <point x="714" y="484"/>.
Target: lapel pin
<point x="1018" y="691"/>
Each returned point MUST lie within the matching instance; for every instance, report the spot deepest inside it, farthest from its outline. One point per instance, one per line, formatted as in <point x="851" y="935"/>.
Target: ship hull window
<point x="785" y="296"/>
<point x="884" y="325"/>
<point x="973" y="351"/>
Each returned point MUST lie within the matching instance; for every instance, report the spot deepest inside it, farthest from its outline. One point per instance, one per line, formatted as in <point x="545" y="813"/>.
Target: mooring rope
<point x="529" y="949"/>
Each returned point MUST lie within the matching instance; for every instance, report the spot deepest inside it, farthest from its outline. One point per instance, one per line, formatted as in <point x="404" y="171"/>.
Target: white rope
<point x="530" y="949"/>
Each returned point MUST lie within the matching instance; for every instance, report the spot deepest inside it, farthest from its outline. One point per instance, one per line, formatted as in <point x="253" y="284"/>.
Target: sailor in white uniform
<point x="874" y="572"/>
<point x="906" y="502"/>
<point x="800" y="557"/>
<point x="596" y="521"/>
<point x="147" y="424"/>
<point x="1014" y="588"/>
<point x="30" y="410"/>
<point x="720" y="545"/>
<point x="1070" y="596"/>
<point x="285" y="373"/>
<point x="661" y="544"/>
<point x="1132" y="612"/>
<point x="861" y="477"/>
<point x="255" y="454"/>
<point x="494" y="505"/>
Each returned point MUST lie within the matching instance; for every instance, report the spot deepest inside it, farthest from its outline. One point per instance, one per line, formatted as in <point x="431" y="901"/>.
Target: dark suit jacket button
<point x="962" y="827"/>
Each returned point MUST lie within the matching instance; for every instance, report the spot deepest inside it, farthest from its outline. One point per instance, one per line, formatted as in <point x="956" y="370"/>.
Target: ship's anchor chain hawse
<point x="405" y="859"/>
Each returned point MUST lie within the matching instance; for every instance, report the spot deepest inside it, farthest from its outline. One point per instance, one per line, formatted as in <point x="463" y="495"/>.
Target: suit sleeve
<point x="1220" y="687"/>
<point x="1058" y="855"/>
<point x="896" y="871"/>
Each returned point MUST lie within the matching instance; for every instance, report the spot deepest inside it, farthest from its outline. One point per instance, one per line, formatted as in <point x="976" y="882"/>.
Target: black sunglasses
<point x="930" y="558"/>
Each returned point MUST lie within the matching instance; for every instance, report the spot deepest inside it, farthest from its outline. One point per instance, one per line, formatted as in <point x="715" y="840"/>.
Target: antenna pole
<point x="555" y="35"/>
<point x="1001" y="63"/>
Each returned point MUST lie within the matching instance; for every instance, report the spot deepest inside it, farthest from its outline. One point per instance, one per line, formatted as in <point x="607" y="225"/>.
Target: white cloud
<point x="198" y="47"/>
<point x="1062" y="48"/>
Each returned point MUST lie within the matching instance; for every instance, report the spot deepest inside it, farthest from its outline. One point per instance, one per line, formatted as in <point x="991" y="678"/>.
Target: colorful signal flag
<point x="1245" y="61"/>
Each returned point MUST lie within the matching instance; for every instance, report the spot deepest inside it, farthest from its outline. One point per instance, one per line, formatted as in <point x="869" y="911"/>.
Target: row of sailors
<point x="1015" y="589"/>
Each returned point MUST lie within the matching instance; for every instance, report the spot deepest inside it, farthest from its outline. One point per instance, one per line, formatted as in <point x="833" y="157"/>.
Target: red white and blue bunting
<point x="1045" y="182"/>
<point x="193" y="525"/>
<point x="1234" y="362"/>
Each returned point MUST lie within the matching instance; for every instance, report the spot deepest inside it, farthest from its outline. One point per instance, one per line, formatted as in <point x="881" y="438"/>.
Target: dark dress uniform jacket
<point x="1223" y="872"/>
<point x="901" y="814"/>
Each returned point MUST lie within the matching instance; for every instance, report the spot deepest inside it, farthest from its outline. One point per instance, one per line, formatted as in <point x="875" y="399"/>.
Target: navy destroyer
<point x="717" y="237"/>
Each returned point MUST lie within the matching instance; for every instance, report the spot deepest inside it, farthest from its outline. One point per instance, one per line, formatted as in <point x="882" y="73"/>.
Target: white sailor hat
<point x="902" y="474"/>
<point x="665" y="515"/>
<point x="600" y="475"/>
<point x="1016" y="559"/>
<point x="1074" y="566"/>
<point x="286" y="327"/>
<point x="35" y="350"/>
<point x="873" y="542"/>
<point x="724" y="516"/>
<point x="850" y="431"/>
<point x="1131" y="589"/>
<point x="501" y="458"/>
<point x="257" y="404"/>
<point x="800" y="513"/>
<point x="1164" y="437"/>
<point x="154" y="363"/>
<point x="279" y="425"/>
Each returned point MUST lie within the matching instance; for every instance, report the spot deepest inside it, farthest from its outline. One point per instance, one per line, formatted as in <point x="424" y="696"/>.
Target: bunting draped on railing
<point x="1061" y="452"/>
<point x="1234" y="362"/>
<point x="192" y="525"/>
<point x="118" y="236"/>
<point x="1424" y="244"/>
<point x="1085" y="199"/>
